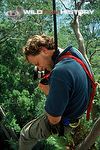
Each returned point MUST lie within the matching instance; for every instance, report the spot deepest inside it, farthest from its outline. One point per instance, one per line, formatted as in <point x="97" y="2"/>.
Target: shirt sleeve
<point x="58" y="97"/>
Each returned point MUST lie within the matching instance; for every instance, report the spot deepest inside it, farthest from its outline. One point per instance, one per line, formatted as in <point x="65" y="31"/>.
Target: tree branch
<point x="78" y="5"/>
<point x="66" y="8"/>
<point x="93" y="54"/>
<point x="91" y="137"/>
<point x="87" y="45"/>
<point x="79" y="37"/>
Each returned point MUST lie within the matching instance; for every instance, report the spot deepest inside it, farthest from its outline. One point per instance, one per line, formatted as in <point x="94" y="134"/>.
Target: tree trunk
<point x="79" y="37"/>
<point x="91" y="137"/>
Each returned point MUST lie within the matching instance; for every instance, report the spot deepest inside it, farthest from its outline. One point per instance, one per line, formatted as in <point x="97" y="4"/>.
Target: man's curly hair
<point x="36" y="42"/>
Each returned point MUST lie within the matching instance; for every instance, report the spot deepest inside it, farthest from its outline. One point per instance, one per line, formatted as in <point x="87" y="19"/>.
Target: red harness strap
<point x="93" y="84"/>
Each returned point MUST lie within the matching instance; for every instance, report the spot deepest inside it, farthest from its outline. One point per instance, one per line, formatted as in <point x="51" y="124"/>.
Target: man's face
<point x="43" y="60"/>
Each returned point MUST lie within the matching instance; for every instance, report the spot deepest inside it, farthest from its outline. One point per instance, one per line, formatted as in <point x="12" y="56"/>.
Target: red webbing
<point x="69" y="55"/>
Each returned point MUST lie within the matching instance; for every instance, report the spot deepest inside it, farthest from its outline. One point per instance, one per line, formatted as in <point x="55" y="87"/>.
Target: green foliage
<point x="97" y="143"/>
<point x="90" y="27"/>
<point x="13" y="144"/>
<point x="21" y="106"/>
<point x="59" y="142"/>
<point x="20" y="98"/>
<point x="66" y="37"/>
<point x="39" y="109"/>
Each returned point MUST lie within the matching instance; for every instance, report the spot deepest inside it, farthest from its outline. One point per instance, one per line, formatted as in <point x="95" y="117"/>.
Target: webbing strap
<point x="93" y="84"/>
<point x="46" y="76"/>
<point x="55" y="24"/>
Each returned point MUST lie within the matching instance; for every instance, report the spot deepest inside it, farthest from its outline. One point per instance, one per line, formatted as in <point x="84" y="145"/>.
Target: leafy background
<point x="20" y="97"/>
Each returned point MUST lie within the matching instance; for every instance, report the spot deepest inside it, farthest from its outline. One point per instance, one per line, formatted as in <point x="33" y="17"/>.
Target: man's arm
<point x="53" y="120"/>
<point x="44" y="88"/>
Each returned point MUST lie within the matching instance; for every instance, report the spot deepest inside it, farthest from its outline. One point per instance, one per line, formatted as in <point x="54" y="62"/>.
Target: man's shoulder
<point x="68" y="70"/>
<point x="65" y="64"/>
<point x="64" y="70"/>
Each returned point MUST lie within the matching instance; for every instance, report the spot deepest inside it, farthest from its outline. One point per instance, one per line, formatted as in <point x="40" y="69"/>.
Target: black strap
<point x="55" y="24"/>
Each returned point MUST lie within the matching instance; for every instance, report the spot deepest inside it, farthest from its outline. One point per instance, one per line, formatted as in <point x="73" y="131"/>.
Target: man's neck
<point x="56" y="54"/>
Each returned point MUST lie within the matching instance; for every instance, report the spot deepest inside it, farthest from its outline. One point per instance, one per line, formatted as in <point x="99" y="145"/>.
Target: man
<point x="67" y="94"/>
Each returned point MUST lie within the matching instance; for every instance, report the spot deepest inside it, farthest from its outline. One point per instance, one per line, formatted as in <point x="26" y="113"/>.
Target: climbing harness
<point x="90" y="76"/>
<point x="68" y="54"/>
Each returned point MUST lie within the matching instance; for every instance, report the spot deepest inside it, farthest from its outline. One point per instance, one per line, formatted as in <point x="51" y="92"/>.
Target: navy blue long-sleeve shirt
<point x="69" y="88"/>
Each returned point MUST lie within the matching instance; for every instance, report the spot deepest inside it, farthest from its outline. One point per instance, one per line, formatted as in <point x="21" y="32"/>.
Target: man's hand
<point x="44" y="88"/>
<point x="53" y="120"/>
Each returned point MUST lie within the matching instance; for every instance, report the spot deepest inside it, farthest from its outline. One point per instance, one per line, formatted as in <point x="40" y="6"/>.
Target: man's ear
<point x="44" y="51"/>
